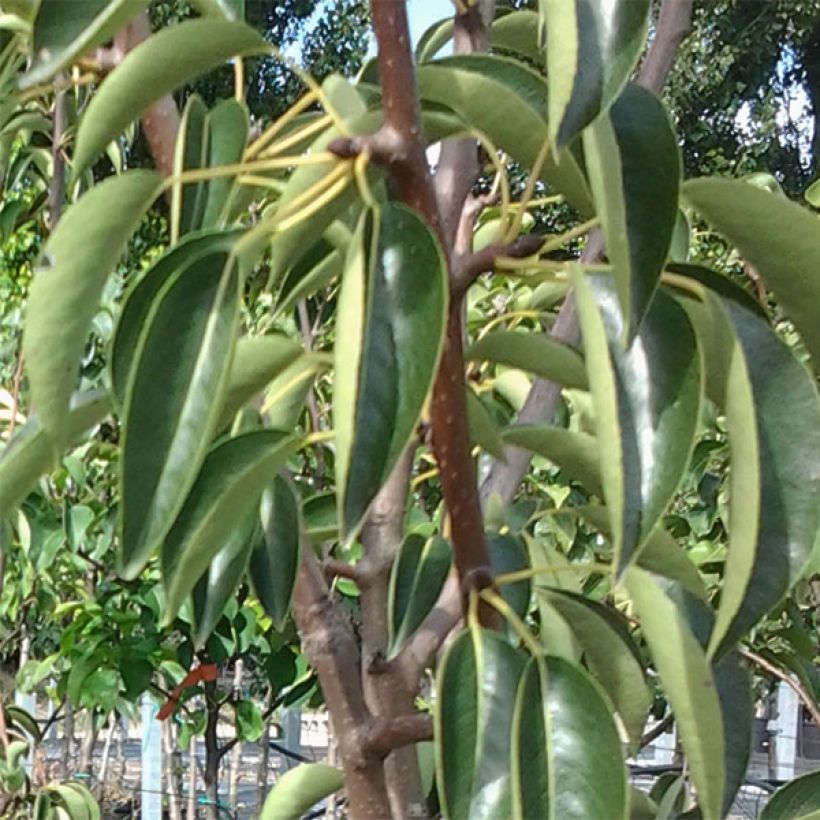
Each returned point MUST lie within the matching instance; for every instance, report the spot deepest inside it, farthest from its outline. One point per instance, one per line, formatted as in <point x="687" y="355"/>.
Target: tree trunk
<point x="169" y="762"/>
<point x="211" y="777"/>
<point x="68" y="743"/>
<point x="236" y="752"/>
<point x="106" y="755"/>
<point x="85" y="764"/>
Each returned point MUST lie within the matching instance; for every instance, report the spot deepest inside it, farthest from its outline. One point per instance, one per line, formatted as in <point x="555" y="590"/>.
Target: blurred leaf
<point x="298" y="790"/>
<point x="483" y="430"/>
<point x="796" y="800"/>
<point x="249" y="724"/>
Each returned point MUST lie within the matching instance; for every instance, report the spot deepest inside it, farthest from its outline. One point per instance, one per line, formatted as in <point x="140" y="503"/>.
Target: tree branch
<point x="392" y="733"/>
<point x="503" y="478"/>
<point x="474" y="264"/>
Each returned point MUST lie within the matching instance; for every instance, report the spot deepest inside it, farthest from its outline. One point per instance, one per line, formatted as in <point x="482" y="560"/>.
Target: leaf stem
<point x="533" y="572"/>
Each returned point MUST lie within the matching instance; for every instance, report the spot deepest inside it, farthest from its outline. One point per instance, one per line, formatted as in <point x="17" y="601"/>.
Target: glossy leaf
<point x="797" y="800"/>
<point x="464" y="83"/>
<point x="647" y="400"/>
<point x="532" y="352"/>
<point x="508" y="553"/>
<point x="688" y="683"/>
<point x="228" y="487"/>
<point x="219" y="582"/>
<point x="31" y="453"/>
<point x="637" y="207"/>
<point x="476" y="686"/>
<point x="592" y="47"/>
<point x="298" y="790"/>
<point x="65" y="32"/>
<point x="145" y="75"/>
<point x="390" y="333"/>
<point x="172" y="403"/>
<point x="774" y="505"/>
<point x="257" y="361"/>
<point x="418" y="574"/>
<point x="611" y="656"/>
<point x="781" y="239"/>
<point x="556" y="772"/>
<point x="275" y="557"/>
<point x="66" y="289"/>
<point x="142" y="296"/>
<point x="190" y="154"/>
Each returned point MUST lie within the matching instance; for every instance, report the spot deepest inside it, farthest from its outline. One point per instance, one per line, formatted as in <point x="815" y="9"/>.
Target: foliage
<point x="200" y="487"/>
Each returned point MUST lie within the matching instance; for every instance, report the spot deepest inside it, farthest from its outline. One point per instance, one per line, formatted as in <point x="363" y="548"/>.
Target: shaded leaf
<point x="592" y="47"/>
<point x="647" y="400"/>
<point x="30" y="453"/>
<point x="285" y="395"/>
<point x="172" y="403"/>
<point x="476" y="687"/>
<point x="228" y="134"/>
<point x="532" y="352"/>
<point x="310" y="274"/>
<point x="275" y="557"/>
<point x="557" y="772"/>
<point x="781" y="239"/>
<point x="465" y="82"/>
<point x="796" y="800"/>
<point x="145" y="75"/>
<point x="688" y="683"/>
<point x="66" y="289"/>
<point x="483" y="430"/>
<point x="508" y="553"/>
<point x="416" y="579"/>
<point x="228" y="487"/>
<point x="190" y="154"/>
<point x="390" y="333"/>
<point x="638" y="210"/>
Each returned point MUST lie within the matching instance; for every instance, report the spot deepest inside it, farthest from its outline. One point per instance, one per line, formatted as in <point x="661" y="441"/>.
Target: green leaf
<point x="30" y="453"/>
<point x="219" y="582"/>
<point x="576" y="454"/>
<point x="298" y="790"/>
<point x="720" y="284"/>
<point x="256" y="362"/>
<point x="476" y="687"/>
<point x="142" y="297"/>
<point x="390" y="334"/>
<point x="611" y="655"/>
<point x="228" y="135"/>
<point x="275" y="557"/>
<point x="508" y="553"/>
<point x="637" y="209"/>
<point x="780" y="238"/>
<point x="532" y="352"/>
<point x="76" y="800"/>
<point x="796" y="800"/>
<point x="647" y="400"/>
<point x="517" y="32"/>
<point x="190" y="154"/>
<point x="249" y="723"/>
<point x="464" y="83"/>
<point x="592" y="47"/>
<point x="483" y="430"/>
<point x="146" y="74"/>
<point x="65" y="32"/>
<point x="311" y="273"/>
<point x="774" y="490"/>
<point x="228" y="487"/>
<point x="688" y="683"/>
<point x="285" y="395"/>
<point x="66" y="290"/>
<point x="172" y="403"/>
<point x="558" y="770"/>
<point x="416" y="579"/>
<point x="319" y="514"/>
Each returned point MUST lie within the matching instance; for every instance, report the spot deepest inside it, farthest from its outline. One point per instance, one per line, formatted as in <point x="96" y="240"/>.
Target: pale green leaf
<point x="298" y="790"/>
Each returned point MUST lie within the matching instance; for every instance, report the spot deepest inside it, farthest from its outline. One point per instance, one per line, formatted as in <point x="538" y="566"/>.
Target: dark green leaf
<point x="592" y="47"/>
<point x="637" y="208"/>
<point x="508" y="553"/>
<point x="557" y="772"/>
<point x="310" y="274"/>
<point x="774" y="491"/>
<point x="172" y="403"/>
<point x="390" y="333"/>
<point x="533" y="352"/>
<point x="778" y="237"/>
<point x="228" y="135"/>
<point x="418" y="574"/>
<point x="797" y="800"/>
<point x="720" y="284"/>
<point x="465" y="82"/>
<point x="228" y="487"/>
<point x="647" y="400"/>
<point x="66" y="290"/>
<point x="275" y="557"/>
<point x="190" y="154"/>
<point x="476" y="687"/>
<point x="146" y="74"/>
